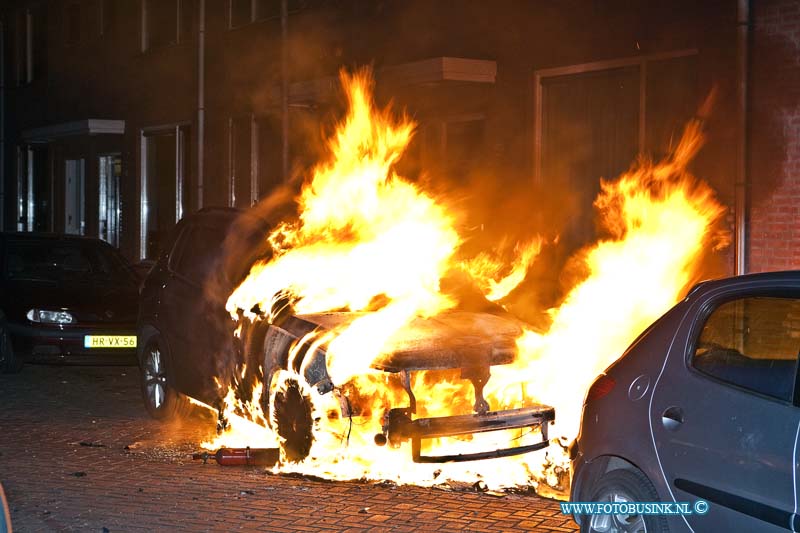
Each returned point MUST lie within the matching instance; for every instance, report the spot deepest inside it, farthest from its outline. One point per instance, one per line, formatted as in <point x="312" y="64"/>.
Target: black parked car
<point x="185" y="335"/>
<point x="65" y="299"/>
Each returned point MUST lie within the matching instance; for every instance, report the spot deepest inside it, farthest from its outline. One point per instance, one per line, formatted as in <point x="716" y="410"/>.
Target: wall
<point x="774" y="166"/>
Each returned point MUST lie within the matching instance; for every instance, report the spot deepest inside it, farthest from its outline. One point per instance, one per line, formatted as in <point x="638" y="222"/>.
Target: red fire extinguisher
<point x="241" y="456"/>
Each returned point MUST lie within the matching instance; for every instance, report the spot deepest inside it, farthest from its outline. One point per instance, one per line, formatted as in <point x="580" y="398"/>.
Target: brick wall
<point x="774" y="155"/>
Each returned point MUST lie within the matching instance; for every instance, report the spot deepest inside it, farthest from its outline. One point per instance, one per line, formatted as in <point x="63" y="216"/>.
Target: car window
<point x="47" y="260"/>
<point x="753" y="343"/>
<point x="200" y="249"/>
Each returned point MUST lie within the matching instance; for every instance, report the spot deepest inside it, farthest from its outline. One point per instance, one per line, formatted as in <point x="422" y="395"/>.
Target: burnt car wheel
<point x="9" y="362"/>
<point x="293" y="420"/>
<point x="624" y="486"/>
<point x="160" y="399"/>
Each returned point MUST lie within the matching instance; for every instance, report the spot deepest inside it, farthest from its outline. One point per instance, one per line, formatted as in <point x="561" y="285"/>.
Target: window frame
<point x="107" y="18"/>
<point x="597" y="66"/>
<point x="182" y="35"/>
<point x="713" y="303"/>
<point x="183" y="205"/>
<point x="251" y="19"/>
<point x="234" y="174"/>
<point x="78" y="38"/>
<point x="254" y="15"/>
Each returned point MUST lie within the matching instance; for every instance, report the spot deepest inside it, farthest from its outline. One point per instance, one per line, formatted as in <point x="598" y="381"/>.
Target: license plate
<point x="109" y="341"/>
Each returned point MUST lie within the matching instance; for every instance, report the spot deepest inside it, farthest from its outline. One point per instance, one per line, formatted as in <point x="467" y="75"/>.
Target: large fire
<point x="367" y="240"/>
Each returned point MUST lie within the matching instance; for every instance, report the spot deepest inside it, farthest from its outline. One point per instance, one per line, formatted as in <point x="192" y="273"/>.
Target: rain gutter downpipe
<point x="201" y="100"/>
<point x="285" y="89"/>
<point x="2" y="126"/>
<point x="741" y="185"/>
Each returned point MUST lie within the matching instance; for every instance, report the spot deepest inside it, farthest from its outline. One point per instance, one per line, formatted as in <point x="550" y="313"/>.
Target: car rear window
<point x="51" y="260"/>
<point x="199" y="254"/>
<point x="752" y="343"/>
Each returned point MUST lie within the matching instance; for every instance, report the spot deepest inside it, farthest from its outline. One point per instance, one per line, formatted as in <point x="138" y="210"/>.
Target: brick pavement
<point x="54" y="483"/>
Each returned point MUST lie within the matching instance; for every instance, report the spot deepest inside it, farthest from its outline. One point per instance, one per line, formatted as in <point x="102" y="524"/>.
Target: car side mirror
<point x="5" y="513"/>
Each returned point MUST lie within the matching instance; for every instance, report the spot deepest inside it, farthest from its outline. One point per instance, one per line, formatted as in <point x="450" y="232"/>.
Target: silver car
<point x="703" y="407"/>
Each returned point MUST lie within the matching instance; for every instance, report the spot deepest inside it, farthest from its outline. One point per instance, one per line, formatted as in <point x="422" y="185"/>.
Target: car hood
<point x="453" y="339"/>
<point x="89" y="303"/>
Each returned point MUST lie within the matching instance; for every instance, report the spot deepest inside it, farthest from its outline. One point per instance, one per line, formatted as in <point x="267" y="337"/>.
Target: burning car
<point x="347" y="340"/>
<point x="188" y="348"/>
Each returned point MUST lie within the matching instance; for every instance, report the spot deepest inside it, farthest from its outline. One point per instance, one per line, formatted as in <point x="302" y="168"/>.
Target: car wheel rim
<point x="617" y="523"/>
<point x="154" y="378"/>
<point x="293" y="420"/>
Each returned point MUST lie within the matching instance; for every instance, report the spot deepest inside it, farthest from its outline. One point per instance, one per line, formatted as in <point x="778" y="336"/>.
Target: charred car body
<point x="188" y="348"/>
<point x="467" y="342"/>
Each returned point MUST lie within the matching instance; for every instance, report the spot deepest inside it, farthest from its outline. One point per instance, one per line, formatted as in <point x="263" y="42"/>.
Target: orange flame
<point x="368" y="240"/>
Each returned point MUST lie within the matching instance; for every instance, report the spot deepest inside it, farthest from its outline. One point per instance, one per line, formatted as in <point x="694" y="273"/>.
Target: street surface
<point x="79" y="453"/>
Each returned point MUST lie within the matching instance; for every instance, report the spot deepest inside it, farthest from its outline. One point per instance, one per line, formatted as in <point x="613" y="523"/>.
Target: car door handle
<point x="672" y="418"/>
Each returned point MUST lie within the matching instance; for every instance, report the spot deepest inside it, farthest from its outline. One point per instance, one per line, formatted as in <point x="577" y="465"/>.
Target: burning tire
<point x="292" y="419"/>
<point x="623" y="486"/>
<point x="160" y="399"/>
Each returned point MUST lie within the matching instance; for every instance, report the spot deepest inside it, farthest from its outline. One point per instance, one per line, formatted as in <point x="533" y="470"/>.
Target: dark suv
<point x="185" y="335"/>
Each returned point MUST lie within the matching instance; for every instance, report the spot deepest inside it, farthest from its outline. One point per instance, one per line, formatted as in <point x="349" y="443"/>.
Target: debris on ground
<point x="241" y="456"/>
<point x="480" y="486"/>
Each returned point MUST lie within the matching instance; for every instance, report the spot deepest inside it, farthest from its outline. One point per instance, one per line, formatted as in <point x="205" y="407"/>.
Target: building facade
<point x="121" y="116"/>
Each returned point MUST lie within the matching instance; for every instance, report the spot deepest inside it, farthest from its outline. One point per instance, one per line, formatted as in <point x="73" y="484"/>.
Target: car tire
<point x="9" y="362"/>
<point x="292" y="418"/>
<point x="161" y="400"/>
<point x="624" y="486"/>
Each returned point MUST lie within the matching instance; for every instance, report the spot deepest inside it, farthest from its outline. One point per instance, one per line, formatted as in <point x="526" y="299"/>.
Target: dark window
<point x="266" y="9"/>
<point x="168" y="188"/>
<point x="589" y="131"/>
<point x="593" y="124"/>
<point x="188" y="19"/>
<point x="108" y="16"/>
<point x="73" y="23"/>
<point x="65" y="261"/>
<point x="200" y="249"/>
<point x="671" y="100"/>
<point x="246" y="11"/>
<point x="269" y="155"/>
<point x="753" y="343"/>
<point x="161" y="23"/>
<point x="241" y="12"/>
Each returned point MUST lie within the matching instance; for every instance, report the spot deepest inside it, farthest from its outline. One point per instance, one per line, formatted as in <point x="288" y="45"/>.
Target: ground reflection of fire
<point x="368" y="240"/>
